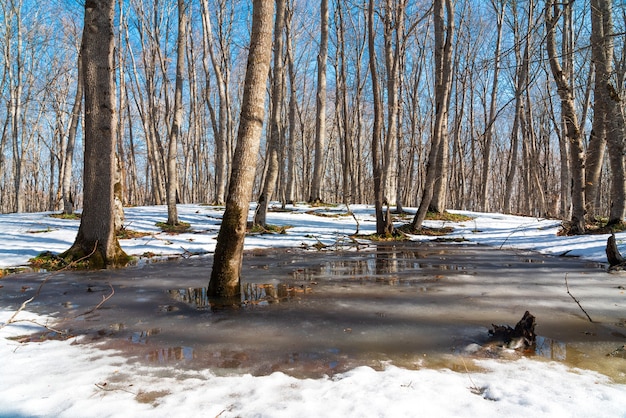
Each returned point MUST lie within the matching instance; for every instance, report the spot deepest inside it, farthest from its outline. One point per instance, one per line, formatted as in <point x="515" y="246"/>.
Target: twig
<point x="358" y="225"/>
<point x="474" y="388"/>
<point x="103" y="386"/>
<point x="104" y="299"/>
<point x="12" y="320"/>
<point x="576" y="300"/>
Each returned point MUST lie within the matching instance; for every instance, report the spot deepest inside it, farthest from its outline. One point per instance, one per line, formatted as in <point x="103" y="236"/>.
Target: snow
<point x="60" y="378"/>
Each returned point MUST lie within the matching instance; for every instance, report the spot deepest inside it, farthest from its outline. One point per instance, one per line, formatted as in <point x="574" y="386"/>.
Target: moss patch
<point x="398" y="235"/>
<point x="431" y="232"/>
<point x="125" y="233"/>
<point x="447" y="216"/>
<point x="598" y="226"/>
<point x="49" y="261"/>
<point x="329" y="214"/>
<point x="179" y="228"/>
<point x="70" y="216"/>
<point x="268" y="229"/>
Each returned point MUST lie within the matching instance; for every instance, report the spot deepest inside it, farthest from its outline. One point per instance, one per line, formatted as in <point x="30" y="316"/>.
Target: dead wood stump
<point x="521" y="337"/>
<point x="613" y="256"/>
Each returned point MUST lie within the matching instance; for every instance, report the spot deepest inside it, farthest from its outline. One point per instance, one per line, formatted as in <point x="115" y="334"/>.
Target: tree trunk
<point x="66" y="187"/>
<point x="226" y="272"/>
<point x="290" y="186"/>
<point x="320" y="118"/>
<point x="608" y="117"/>
<point x="223" y="124"/>
<point x="383" y="221"/>
<point x="597" y="139"/>
<point x="489" y="129"/>
<point x="436" y="169"/>
<point x="276" y="131"/>
<point x="172" y="152"/>
<point x="568" y="110"/>
<point x="96" y="234"/>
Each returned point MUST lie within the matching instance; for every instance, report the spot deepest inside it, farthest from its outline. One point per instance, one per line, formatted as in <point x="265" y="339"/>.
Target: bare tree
<point x="276" y="129"/>
<point x="572" y="132"/>
<point x="96" y="234"/>
<point x="320" y="119"/>
<point x="608" y="116"/>
<point x="221" y="124"/>
<point x="383" y="219"/>
<point x="226" y="272"/>
<point x="498" y="6"/>
<point x="172" y="152"/>
<point x="443" y="13"/>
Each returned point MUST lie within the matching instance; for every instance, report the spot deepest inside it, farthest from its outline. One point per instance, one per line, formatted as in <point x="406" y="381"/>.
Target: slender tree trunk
<point x="68" y="198"/>
<point x="172" y="152"/>
<point x="498" y="6"/>
<point x="568" y="110"/>
<point x="276" y="131"/>
<point x="290" y="192"/>
<point x="443" y="12"/>
<point x="320" y="118"/>
<point x="597" y="139"/>
<point x="608" y="116"/>
<point x="223" y="129"/>
<point x="226" y="272"/>
<point x="383" y="220"/>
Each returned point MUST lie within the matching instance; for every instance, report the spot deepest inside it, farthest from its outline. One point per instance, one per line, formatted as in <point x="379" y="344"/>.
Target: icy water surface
<point x="315" y="313"/>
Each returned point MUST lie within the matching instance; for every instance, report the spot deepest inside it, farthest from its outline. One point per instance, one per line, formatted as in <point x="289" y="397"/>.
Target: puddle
<point x="311" y="314"/>
<point x="171" y="354"/>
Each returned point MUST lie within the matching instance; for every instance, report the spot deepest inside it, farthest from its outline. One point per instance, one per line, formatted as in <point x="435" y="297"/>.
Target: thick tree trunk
<point x="96" y="234"/>
<point x="226" y="272"/>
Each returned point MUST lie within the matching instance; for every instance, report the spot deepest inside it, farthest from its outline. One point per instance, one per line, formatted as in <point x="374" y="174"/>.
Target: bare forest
<point x="500" y="105"/>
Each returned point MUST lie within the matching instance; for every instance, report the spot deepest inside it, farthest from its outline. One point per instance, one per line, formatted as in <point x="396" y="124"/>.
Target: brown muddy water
<point x="318" y="313"/>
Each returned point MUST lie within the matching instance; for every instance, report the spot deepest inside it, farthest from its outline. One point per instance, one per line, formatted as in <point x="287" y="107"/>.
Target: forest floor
<point x="328" y="323"/>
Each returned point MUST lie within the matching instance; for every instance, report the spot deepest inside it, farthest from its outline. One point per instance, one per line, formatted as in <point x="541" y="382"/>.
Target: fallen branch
<point x="576" y="300"/>
<point x="12" y="320"/>
<point x="104" y="299"/>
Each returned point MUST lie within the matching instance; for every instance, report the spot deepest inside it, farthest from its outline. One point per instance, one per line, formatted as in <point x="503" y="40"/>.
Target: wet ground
<point x="314" y="313"/>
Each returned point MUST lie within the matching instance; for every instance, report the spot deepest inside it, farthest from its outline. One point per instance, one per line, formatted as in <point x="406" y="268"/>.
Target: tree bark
<point x="568" y="111"/>
<point x="96" y="233"/>
<point x="172" y="152"/>
<point x="607" y="104"/>
<point x="66" y="187"/>
<point x="276" y="131"/>
<point x="320" y="118"/>
<point x="436" y="169"/>
<point x="383" y="221"/>
<point x="226" y="272"/>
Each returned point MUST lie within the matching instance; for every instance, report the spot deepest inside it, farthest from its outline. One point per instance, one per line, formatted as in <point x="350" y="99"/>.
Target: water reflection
<point x="166" y="355"/>
<point x="550" y="349"/>
<point x="251" y="294"/>
<point x="196" y="297"/>
<point x="141" y="337"/>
